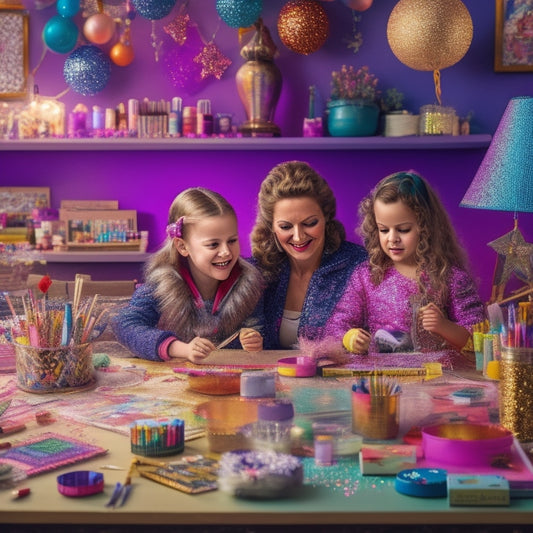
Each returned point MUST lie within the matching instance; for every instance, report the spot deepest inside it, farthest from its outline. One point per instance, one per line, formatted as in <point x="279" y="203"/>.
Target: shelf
<point x="425" y="142"/>
<point x="95" y="257"/>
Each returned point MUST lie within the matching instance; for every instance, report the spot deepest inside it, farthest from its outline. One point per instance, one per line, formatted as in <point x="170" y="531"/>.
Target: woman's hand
<point x="251" y="340"/>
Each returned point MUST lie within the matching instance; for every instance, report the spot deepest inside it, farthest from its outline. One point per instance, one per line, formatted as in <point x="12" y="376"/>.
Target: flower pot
<point x="352" y="118"/>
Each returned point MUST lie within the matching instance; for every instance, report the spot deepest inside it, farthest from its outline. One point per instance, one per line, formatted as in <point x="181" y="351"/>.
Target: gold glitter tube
<point x="516" y="392"/>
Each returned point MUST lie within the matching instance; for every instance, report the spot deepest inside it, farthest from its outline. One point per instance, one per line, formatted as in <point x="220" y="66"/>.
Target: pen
<point x="7" y="430"/>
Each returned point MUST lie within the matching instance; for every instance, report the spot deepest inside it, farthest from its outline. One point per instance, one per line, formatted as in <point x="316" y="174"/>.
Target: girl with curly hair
<point x="415" y="291"/>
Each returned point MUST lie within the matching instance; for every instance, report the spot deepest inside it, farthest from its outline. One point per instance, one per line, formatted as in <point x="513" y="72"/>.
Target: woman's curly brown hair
<point x="291" y="179"/>
<point x="438" y="248"/>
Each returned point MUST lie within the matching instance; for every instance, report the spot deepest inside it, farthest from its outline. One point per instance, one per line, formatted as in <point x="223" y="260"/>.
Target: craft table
<point x="331" y="498"/>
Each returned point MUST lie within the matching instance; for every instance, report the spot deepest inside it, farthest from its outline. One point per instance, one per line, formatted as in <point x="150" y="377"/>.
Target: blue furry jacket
<point x="168" y="307"/>
<point x="325" y="289"/>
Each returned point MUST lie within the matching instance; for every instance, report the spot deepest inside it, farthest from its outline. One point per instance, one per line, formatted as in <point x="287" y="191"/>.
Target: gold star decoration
<point x="514" y="257"/>
<point x="213" y="61"/>
<point x="177" y="29"/>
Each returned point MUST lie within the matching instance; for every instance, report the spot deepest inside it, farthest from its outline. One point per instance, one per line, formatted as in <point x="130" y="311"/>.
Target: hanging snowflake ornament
<point x="177" y="29"/>
<point x="213" y="61"/>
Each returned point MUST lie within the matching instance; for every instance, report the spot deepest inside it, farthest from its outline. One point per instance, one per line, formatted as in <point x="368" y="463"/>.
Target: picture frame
<point x="14" y="52"/>
<point x="17" y="203"/>
<point x="513" y="36"/>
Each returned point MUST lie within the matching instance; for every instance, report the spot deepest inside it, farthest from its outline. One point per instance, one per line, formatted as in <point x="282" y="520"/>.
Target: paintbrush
<point x="225" y="342"/>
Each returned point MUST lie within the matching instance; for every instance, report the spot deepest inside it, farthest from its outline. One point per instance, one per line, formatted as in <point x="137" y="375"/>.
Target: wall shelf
<point x="95" y="257"/>
<point x="425" y="142"/>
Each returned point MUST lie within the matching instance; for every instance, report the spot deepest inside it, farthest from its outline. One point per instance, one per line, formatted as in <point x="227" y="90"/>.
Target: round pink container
<point x="465" y="444"/>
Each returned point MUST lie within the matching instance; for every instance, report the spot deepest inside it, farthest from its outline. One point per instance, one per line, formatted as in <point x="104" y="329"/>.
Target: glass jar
<point x="272" y="430"/>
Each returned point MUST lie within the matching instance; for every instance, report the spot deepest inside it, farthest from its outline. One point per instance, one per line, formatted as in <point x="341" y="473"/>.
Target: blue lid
<point x="422" y="482"/>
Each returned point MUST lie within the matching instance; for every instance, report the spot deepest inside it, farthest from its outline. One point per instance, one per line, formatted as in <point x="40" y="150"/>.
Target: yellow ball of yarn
<point x="349" y="339"/>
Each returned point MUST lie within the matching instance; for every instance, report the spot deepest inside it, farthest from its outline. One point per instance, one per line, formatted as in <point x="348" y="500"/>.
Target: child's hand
<point x="199" y="348"/>
<point x="432" y="318"/>
<point x="251" y="340"/>
<point x="357" y="340"/>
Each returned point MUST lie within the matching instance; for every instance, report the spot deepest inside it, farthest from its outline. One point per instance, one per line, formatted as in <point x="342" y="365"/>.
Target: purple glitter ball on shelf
<point x="87" y="70"/>
<point x="153" y="9"/>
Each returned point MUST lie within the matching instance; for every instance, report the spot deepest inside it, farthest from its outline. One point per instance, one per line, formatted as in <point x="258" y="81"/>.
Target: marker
<point x="21" y="493"/>
<point x="7" y="430"/>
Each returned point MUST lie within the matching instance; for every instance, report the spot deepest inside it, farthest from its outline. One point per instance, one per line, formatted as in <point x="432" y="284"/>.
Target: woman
<point x="302" y="252"/>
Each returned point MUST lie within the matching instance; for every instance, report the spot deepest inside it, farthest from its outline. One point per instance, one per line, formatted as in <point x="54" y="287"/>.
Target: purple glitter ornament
<point x="178" y="62"/>
<point x="153" y="9"/>
<point x="87" y="70"/>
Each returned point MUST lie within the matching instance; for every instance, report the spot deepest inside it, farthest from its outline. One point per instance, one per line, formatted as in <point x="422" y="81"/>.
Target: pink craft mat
<point x="48" y="451"/>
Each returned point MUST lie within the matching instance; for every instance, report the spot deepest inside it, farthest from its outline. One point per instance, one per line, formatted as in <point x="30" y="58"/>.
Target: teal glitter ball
<point x="87" y="70"/>
<point x="153" y="9"/>
<point x="239" y="13"/>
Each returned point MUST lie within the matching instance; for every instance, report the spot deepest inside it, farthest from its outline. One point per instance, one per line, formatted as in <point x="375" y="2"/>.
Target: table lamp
<point x="504" y="182"/>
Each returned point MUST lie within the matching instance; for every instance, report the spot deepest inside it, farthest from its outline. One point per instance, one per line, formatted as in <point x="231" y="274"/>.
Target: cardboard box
<point x="109" y="229"/>
<point x="478" y="489"/>
<point x="386" y="459"/>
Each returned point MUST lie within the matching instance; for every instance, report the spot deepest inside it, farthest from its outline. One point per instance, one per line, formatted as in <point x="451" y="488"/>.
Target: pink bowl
<point x="465" y="444"/>
<point x="297" y="367"/>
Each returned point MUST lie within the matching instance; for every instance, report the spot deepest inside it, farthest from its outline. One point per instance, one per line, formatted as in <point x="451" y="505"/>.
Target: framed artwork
<point x="17" y="203"/>
<point x="14" y="55"/>
<point x="513" y="43"/>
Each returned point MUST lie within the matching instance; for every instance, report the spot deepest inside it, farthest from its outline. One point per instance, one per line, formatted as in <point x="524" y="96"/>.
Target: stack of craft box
<point x="99" y="225"/>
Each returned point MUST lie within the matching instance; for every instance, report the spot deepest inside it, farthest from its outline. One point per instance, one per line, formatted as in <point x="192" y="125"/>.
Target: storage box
<point x="100" y="229"/>
<point x="386" y="459"/>
<point x="477" y="489"/>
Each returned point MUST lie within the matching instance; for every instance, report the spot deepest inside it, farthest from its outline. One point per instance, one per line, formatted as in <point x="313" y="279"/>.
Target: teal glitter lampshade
<point x="504" y="180"/>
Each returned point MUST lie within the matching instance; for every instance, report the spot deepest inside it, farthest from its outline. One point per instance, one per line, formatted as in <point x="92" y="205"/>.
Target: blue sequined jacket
<point x="325" y="289"/>
<point x="166" y="308"/>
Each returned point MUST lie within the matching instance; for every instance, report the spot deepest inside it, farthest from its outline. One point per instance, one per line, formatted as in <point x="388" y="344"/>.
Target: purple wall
<point x="149" y="180"/>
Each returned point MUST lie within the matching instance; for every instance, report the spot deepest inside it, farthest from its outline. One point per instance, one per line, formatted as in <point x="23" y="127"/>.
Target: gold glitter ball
<point x="429" y="35"/>
<point x="303" y="26"/>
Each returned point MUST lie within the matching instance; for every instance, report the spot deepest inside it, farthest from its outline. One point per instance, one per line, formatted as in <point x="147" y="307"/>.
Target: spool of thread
<point x="258" y="384"/>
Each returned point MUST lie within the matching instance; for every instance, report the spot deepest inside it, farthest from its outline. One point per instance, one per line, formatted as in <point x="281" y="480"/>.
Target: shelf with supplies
<point x="95" y="257"/>
<point x="424" y="142"/>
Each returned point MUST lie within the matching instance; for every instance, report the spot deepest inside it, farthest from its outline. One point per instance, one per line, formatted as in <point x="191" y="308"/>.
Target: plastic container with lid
<point x="272" y="430"/>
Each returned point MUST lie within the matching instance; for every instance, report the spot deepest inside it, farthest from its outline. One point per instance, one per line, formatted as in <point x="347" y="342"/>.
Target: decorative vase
<point x="352" y="118"/>
<point x="259" y="84"/>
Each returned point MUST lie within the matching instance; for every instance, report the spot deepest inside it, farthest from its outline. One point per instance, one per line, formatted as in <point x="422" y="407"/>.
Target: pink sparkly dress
<point x="391" y="306"/>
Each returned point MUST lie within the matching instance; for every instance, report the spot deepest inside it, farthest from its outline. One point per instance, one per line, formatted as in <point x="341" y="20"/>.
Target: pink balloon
<point x="99" y="28"/>
<point x="358" y="5"/>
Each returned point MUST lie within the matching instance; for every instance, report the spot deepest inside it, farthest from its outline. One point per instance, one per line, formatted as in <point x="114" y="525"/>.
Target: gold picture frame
<point x="513" y="45"/>
<point x="14" y="54"/>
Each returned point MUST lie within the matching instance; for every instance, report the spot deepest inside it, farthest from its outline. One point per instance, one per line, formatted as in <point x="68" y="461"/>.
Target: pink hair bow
<point x="175" y="230"/>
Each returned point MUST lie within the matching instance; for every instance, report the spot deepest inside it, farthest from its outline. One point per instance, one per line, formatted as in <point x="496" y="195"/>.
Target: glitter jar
<point x="437" y="120"/>
<point x="323" y="447"/>
<point x="516" y="392"/>
<point x="273" y="427"/>
<point x="258" y="384"/>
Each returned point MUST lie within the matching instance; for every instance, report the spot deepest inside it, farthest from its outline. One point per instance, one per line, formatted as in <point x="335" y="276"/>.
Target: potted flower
<point x="398" y="122"/>
<point x="353" y="110"/>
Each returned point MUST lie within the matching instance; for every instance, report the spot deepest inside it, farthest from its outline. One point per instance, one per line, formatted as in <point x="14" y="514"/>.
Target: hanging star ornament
<point x="177" y="29"/>
<point x="514" y="257"/>
<point x="213" y="61"/>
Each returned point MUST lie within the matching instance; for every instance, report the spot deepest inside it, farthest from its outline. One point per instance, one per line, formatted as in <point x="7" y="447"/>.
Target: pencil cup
<point x="376" y="417"/>
<point x="60" y="369"/>
<point x="516" y="392"/>
<point x="157" y="438"/>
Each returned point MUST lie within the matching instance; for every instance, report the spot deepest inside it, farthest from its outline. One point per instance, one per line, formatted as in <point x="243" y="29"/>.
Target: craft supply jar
<point x="376" y="417"/>
<point x="437" y="120"/>
<point x="272" y="431"/>
<point x="60" y="369"/>
<point x="516" y="392"/>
